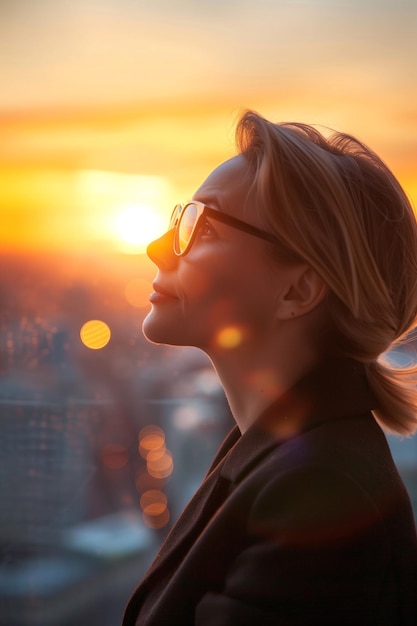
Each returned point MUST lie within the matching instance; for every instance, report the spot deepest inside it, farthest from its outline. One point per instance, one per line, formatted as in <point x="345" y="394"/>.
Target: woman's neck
<point x="254" y="378"/>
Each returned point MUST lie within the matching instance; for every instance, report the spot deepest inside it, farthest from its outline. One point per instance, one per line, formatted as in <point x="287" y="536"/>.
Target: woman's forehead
<point x="227" y="186"/>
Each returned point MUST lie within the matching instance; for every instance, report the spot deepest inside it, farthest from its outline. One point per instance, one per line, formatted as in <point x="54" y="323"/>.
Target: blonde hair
<point x="334" y="204"/>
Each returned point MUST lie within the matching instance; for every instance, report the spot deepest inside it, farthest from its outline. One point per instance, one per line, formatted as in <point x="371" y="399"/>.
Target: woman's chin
<point x="150" y="330"/>
<point x="158" y="331"/>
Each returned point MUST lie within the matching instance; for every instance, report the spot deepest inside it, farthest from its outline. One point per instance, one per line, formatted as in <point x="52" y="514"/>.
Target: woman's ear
<point x="305" y="291"/>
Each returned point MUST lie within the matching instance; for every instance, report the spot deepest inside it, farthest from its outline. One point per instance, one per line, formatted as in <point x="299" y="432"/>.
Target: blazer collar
<point x="331" y="391"/>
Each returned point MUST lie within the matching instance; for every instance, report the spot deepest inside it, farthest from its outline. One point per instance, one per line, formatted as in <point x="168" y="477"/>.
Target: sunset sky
<point x="113" y="110"/>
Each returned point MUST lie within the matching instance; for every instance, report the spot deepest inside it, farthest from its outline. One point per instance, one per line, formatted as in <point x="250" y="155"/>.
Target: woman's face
<point x="222" y="293"/>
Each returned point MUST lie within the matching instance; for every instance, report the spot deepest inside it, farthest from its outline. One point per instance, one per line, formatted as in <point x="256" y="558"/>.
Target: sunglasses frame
<point x="205" y="211"/>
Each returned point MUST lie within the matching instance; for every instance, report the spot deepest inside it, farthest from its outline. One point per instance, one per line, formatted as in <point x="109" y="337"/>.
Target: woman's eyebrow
<point x="210" y="201"/>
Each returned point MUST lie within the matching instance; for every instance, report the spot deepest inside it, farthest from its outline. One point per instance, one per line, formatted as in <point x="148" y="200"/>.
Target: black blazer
<point x="302" y="520"/>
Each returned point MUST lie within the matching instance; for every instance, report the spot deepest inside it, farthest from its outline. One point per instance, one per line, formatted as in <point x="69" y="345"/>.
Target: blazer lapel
<point x="205" y="502"/>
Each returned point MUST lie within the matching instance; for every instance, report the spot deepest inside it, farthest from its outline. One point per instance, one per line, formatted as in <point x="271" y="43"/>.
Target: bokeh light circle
<point x="95" y="334"/>
<point x="229" y="337"/>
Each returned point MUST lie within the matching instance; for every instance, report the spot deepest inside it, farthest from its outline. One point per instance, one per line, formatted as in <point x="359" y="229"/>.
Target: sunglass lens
<point x="174" y="215"/>
<point x="186" y="226"/>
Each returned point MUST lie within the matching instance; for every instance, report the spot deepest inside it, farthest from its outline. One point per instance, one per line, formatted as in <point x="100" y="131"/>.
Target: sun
<point x="124" y="212"/>
<point x="135" y="226"/>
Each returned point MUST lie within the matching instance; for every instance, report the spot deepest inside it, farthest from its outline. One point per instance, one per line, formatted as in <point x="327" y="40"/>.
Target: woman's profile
<point x="305" y="248"/>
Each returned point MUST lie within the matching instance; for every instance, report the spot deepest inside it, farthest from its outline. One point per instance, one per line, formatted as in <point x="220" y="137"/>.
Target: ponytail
<point x="396" y="392"/>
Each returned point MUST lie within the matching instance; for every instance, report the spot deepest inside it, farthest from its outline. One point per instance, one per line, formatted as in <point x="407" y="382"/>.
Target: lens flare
<point x="266" y="380"/>
<point x="156" y="521"/>
<point x="151" y="438"/>
<point x="229" y="337"/>
<point x="160" y="466"/>
<point x="153" y="502"/>
<point x="95" y="334"/>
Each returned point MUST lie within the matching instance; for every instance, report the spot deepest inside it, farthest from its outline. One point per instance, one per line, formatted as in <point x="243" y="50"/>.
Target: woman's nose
<point x="161" y="251"/>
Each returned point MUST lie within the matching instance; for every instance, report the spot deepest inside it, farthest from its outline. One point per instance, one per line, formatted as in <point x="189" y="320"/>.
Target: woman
<point x="294" y="268"/>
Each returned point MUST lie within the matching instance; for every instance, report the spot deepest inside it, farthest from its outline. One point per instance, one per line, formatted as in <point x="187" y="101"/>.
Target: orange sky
<point x="111" y="105"/>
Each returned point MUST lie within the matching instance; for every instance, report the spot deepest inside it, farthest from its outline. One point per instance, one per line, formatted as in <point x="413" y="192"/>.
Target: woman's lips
<point x="160" y="294"/>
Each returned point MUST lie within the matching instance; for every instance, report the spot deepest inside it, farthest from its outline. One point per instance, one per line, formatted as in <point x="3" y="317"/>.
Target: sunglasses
<point x="185" y="220"/>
